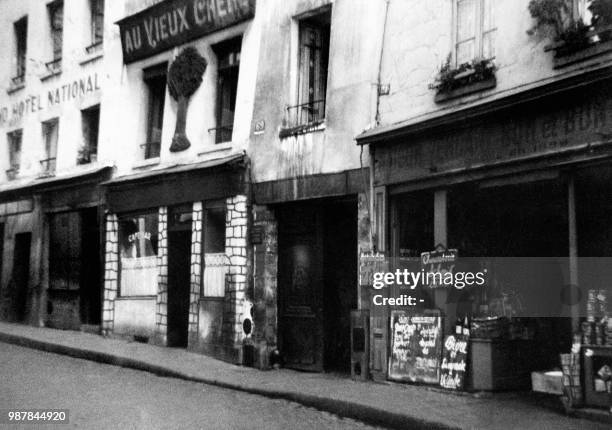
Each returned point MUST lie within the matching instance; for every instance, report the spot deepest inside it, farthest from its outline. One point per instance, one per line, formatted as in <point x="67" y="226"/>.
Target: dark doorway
<point x="179" y="252"/>
<point x="21" y="274"/>
<point x="90" y="288"/>
<point x="317" y="272"/>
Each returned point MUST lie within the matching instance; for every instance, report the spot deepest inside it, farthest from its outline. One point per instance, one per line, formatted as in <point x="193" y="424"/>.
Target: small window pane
<point x="488" y="44"/>
<point x="488" y="15"/>
<point x="465" y="52"/>
<point x="466" y="19"/>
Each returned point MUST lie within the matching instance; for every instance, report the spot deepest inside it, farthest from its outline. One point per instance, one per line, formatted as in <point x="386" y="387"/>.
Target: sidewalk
<point x="390" y="405"/>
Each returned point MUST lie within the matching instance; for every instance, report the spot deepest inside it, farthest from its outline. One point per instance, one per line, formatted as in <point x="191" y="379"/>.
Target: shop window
<point x="88" y="153"/>
<point x="475" y="30"/>
<point x="50" y="130"/>
<point x="228" y="60"/>
<point x="138" y="238"/>
<point x="215" y="260"/>
<point x="56" y="24"/>
<point x="14" y="146"/>
<point x="313" y="54"/>
<point x="20" y="29"/>
<point x="412" y="224"/>
<point x="96" y="9"/>
<point x="155" y="80"/>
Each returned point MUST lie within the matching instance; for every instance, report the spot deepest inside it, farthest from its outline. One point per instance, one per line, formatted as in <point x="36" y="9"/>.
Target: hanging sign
<point x="416" y="346"/>
<point x="171" y="23"/>
<point x="454" y="361"/>
<point x="440" y="262"/>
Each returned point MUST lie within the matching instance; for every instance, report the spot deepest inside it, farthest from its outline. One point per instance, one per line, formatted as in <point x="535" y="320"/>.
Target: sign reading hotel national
<point x="172" y="23"/>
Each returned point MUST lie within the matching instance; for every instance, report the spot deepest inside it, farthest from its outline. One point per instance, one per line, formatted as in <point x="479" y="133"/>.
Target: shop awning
<point x="446" y="116"/>
<point x="178" y="183"/>
<point x="83" y="179"/>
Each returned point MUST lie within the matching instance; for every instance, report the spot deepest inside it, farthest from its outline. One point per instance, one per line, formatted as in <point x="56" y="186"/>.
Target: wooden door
<point x="21" y="274"/>
<point x="300" y="276"/>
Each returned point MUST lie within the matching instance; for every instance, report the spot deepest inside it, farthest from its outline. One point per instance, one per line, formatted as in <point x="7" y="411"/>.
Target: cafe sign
<point x="171" y="23"/>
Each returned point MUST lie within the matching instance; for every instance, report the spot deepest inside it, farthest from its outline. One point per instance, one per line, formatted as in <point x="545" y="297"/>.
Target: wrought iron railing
<point x="12" y="172"/>
<point x="222" y="133"/>
<point x="48" y="166"/>
<point x="94" y="47"/>
<point x="306" y="113"/>
<point x="18" y="80"/>
<point x="151" y="149"/>
<point x="54" y="66"/>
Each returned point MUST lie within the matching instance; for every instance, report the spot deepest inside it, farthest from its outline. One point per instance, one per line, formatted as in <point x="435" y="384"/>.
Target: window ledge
<point x="301" y="129"/>
<point x="146" y="163"/>
<point x="219" y="147"/>
<point x="582" y="55"/>
<point x="88" y="58"/>
<point x="49" y="75"/>
<point x="465" y="90"/>
<point x="126" y="298"/>
<point x="14" y="88"/>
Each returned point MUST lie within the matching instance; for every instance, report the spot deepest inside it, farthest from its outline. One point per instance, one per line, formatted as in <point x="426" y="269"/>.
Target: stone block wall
<point x="236" y="305"/>
<point x="196" y="272"/>
<point x="111" y="273"/>
<point x="265" y="267"/>
<point x="161" y="305"/>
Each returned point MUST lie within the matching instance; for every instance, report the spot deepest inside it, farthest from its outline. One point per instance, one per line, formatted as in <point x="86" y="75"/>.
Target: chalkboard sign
<point x="454" y="361"/>
<point x="440" y="261"/>
<point x="416" y="347"/>
<point x="370" y="263"/>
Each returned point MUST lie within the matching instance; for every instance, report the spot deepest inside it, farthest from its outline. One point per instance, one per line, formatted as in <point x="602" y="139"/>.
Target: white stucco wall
<point x="38" y="84"/>
<point x="418" y="39"/>
<point x="353" y="66"/>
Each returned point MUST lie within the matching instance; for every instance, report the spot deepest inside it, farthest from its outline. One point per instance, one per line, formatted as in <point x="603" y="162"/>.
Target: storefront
<point x="520" y="189"/>
<point x="52" y="259"/>
<point x="176" y="257"/>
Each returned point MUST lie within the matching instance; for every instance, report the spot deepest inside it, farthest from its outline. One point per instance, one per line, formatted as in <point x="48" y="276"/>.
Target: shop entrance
<point x="317" y="271"/>
<point x="179" y="251"/>
<point x="75" y="287"/>
<point x="21" y="274"/>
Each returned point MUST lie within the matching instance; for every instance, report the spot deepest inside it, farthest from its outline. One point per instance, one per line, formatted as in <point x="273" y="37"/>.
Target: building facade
<point x="494" y="140"/>
<point x="50" y="171"/>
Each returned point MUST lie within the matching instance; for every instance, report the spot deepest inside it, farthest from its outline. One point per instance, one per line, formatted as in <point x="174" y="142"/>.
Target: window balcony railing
<point x="48" y="166"/>
<point x="54" y="66"/>
<point x="12" y="172"/>
<point x="18" y="80"/>
<point x="306" y="113"/>
<point x="94" y="47"/>
<point x="222" y="133"/>
<point x="151" y="149"/>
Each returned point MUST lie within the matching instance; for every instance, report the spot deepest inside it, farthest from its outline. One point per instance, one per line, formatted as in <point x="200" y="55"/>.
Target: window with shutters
<point x="313" y="57"/>
<point x="50" y="131"/>
<point x="14" y="146"/>
<point x="155" y="80"/>
<point x="228" y="66"/>
<point x="96" y="9"/>
<point x="21" y="42"/>
<point x="56" y="24"/>
<point x="475" y="30"/>
<point x="88" y="153"/>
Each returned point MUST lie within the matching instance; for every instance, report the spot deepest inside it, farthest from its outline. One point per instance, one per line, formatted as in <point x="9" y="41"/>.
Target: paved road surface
<point x="101" y="396"/>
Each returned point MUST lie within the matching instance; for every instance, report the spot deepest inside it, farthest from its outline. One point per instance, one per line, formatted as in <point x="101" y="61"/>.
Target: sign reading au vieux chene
<point x="172" y="23"/>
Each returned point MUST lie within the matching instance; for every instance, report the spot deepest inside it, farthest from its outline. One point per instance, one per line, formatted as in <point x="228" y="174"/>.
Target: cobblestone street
<point x="100" y="396"/>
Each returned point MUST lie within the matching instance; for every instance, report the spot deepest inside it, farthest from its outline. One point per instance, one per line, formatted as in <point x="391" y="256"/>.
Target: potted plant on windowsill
<point x="464" y="79"/>
<point x="573" y="39"/>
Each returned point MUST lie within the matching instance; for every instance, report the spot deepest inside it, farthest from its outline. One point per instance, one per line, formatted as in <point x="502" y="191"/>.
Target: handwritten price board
<point x="441" y="261"/>
<point x="454" y="361"/>
<point x="416" y="347"/>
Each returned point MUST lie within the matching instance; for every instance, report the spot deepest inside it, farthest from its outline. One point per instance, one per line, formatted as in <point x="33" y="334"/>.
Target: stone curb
<point x="367" y="414"/>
